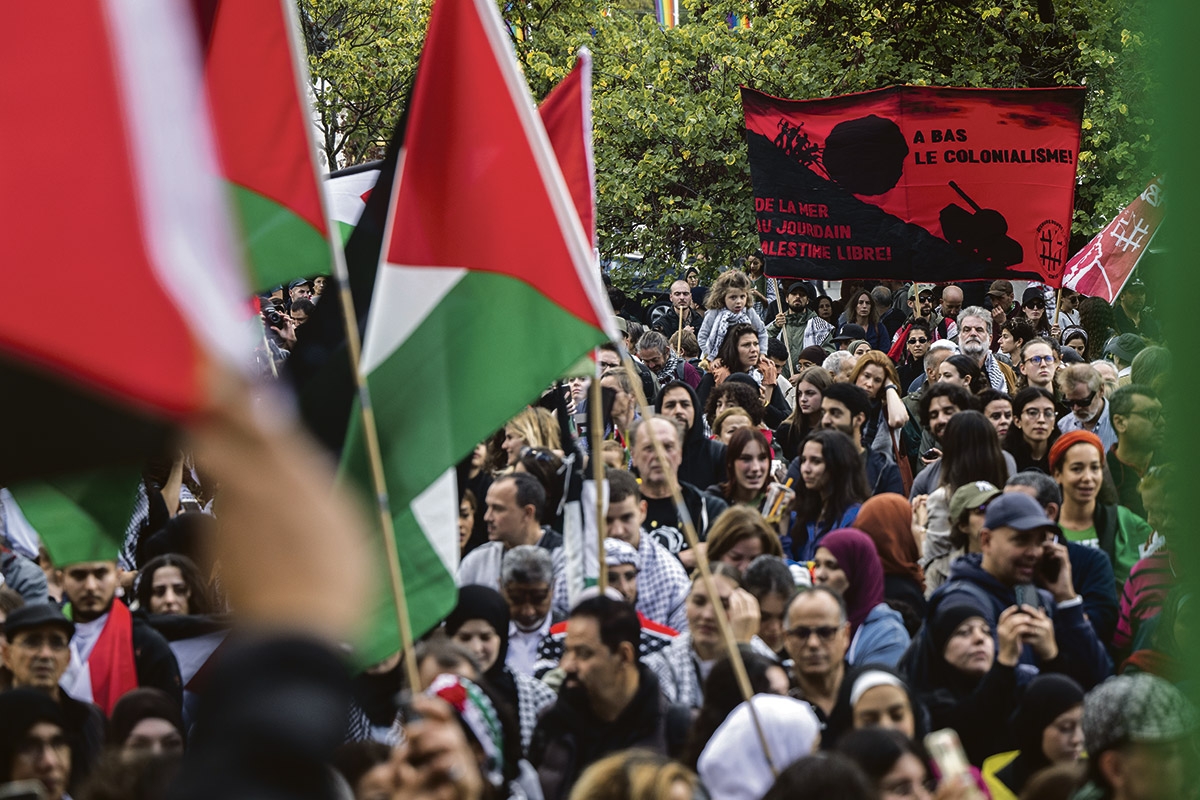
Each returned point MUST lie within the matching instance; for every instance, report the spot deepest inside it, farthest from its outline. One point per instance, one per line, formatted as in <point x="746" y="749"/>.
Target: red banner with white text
<point x="916" y="183"/>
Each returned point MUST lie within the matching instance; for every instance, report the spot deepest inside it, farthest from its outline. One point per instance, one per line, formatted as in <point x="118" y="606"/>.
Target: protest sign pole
<point x="783" y="328"/>
<point x="596" y="417"/>
<point x="1057" y="304"/>
<point x="706" y="576"/>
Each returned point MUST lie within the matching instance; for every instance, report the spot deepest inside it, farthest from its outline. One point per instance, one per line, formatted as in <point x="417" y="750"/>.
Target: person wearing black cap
<point x="299" y="289"/>
<point x="793" y="323"/>
<point x="1129" y="313"/>
<point x="37" y="652"/>
<point x="1056" y="636"/>
<point x="33" y="746"/>
<point x="847" y="333"/>
<point x="1046" y="726"/>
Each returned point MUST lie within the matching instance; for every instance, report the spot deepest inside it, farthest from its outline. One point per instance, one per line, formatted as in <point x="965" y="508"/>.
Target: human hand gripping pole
<point x="689" y="532"/>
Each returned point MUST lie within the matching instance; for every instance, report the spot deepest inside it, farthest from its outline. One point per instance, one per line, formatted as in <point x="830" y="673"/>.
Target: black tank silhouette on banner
<point x="980" y="232"/>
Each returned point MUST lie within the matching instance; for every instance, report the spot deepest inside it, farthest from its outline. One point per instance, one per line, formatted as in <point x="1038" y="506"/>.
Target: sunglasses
<point x="1081" y="403"/>
<point x="1035" y="304"/>
<point x="912" y="340"/>
<point x="803" y="632"/>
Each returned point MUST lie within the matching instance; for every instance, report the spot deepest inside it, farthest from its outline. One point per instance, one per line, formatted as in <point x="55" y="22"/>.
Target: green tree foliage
<point x="672" y="174"/>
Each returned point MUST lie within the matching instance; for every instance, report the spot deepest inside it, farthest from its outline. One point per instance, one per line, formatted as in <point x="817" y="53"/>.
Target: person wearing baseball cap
<point x="792" y="323"/>
<point x="1129" y="312"/>
<point x="1137" y="731"/>
<point x="1003" y="298"/>
<point x="1122" y="349"/>
<point x="1015" y="553"/>
<point x="299" y="288"/>
<point x="847" y="334"/>
<point x="37" y="652"/>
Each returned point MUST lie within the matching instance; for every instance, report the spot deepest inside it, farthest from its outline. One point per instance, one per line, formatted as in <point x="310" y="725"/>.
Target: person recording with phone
<point x="1015" y="552"/>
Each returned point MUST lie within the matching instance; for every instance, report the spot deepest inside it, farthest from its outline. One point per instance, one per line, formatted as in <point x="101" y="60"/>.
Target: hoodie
<point x="1080" y="653"/>
<point x="703" y="458"/>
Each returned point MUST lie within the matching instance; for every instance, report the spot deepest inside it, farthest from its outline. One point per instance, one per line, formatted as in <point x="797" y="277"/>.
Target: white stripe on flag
<point x="182" y="204"/>
<point x="192" y="654"/>
<point x="403" y="298"/>
<point x="436" y="511"/>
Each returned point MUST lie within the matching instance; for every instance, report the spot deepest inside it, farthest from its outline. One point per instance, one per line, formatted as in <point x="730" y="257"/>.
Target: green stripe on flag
<point x="80" y="517"/>
<point x="280" y="245"/>
<point x="486" y="350"/>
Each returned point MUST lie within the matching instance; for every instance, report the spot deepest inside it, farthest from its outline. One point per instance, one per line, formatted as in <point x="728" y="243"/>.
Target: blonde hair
<point x="879" y="359"/>
<point x="632" y="775"/>
<point x="537" y="426"/>
<point x="726" y="281"/>
<point x="732" y="411"/>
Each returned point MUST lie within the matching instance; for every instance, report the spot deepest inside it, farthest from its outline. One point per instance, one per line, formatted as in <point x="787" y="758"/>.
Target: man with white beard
<point x="974" y="337"/>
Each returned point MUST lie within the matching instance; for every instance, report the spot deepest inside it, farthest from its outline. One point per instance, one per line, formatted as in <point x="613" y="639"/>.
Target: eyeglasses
<point x="1034" y="413"/>
<point x="803" y="632"/>
<point x="36" y="641"/>
<point x="1153" y="416"/>
<point x="1082" y="403"/>
<point x="1037" y="361"/>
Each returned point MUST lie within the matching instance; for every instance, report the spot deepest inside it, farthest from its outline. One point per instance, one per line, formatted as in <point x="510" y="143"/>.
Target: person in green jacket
<point x="1076" y="462"/>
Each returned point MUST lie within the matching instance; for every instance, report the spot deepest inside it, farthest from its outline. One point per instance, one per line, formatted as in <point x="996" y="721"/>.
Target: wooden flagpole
<point x="378" y="481"/>
<point x="366" y="410"/>
<point x="706" y="576"/>
<point x="595" y="414"/>
<point x="786" y="341"/>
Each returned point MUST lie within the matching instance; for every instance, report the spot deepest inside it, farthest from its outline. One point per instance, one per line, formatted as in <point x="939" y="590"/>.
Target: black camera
<point x="273" y="317"/>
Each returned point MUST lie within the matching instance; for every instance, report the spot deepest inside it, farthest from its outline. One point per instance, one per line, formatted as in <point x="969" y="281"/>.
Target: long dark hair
<point x="799" y="425"/>
<point x="852" y="309"/>
<point x="967" y="368"/>
<point x="971" y="452"/>
<point x="1014" y="440"/>
<point x="740" y="440"/>
<point x="845" y="480"/>
<point x="877" y="750"/>
<point x="722" y="696"/>
<point x="728" y="351"/>
<point x="200" y="599"/>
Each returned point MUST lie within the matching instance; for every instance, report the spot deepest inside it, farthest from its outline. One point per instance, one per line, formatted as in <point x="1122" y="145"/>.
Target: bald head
<point x="952" y="300"/>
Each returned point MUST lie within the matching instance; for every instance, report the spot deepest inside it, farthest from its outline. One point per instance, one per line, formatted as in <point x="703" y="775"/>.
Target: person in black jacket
<point x="91" y="587"/>
<point x="703" y="458"/>
<point x="608" y="702"/>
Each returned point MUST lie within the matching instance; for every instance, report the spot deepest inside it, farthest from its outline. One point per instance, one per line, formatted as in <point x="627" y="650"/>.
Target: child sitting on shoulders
<point x="728" y="302"/>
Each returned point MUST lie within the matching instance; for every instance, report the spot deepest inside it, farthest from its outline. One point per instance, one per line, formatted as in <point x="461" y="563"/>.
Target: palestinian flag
<point x="486" y="292"/>
<point x="346" y="193"/>
<point x="117" y="309"/>
<point x="262" y="121"/>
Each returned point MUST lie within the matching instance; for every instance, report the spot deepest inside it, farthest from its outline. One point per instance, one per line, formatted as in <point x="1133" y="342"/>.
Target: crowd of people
<point x="921" y="513"/>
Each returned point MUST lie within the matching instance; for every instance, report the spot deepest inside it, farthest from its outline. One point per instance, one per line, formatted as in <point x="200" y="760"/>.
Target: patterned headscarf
<point x="479" y="716"/>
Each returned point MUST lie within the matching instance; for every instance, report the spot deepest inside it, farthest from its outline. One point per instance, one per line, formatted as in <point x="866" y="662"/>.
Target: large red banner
<point x="916" y="183"/>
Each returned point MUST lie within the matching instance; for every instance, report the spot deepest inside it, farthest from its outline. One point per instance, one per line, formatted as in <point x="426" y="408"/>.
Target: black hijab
<point x="485" y="603"/>
<point x="1045" y="698"/>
